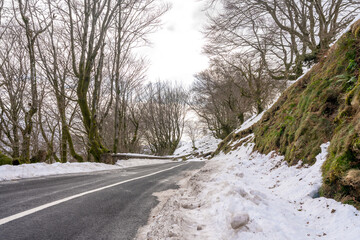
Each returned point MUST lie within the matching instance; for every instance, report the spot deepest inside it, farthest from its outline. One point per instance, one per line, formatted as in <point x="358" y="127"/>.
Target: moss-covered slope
<point x="322" y="106"/>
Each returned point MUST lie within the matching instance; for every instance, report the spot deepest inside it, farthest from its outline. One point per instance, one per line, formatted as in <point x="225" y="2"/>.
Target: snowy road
<point x="101" y="205"/>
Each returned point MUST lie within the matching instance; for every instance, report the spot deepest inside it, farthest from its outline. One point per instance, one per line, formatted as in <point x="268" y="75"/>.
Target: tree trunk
<point x="16" y="147"/>
<point x="116" y="120"/>
<point x="63" y="153"/>
<point x="90" y="123"/>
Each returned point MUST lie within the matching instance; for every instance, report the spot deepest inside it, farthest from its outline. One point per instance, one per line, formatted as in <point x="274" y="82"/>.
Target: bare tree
<point x="67" y="69"/>
<point x="55" y="63"/>
<point x="14" y="69"/>
<point x="231" y="89"/>
<point x="33" y="23"/>
<point x="132" y="20"/>
<point x="218" y="101"/>
<point x="253" y="81"/>
<point x="89" y="23"/>
<point x="126" y="112"/>
<point x="164" y="116"/>
<point x="135" y="20"/>
<point x="193" y="131"/>
<point x="47" y="122"/>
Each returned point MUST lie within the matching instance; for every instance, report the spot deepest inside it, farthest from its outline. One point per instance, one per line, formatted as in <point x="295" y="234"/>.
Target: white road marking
<point x="34" y="210"/>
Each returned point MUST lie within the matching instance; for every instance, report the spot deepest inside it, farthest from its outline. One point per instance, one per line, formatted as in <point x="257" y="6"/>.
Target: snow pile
<point x="248" y="195"/>
<point x="9" y="172"/>
<point x="140" y="162"/>
<point x="204" y="145"/>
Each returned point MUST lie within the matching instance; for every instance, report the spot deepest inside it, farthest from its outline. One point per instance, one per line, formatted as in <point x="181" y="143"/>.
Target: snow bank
<point x="251" y="121"/>
<point x="204" y="145"/>
<point x="140" y="162"/>
<point x="248" y="195"/>
<point x="8" y="172"/>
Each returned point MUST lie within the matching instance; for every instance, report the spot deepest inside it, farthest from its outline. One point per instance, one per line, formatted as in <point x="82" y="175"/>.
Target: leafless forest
<point x="72" y="87"/>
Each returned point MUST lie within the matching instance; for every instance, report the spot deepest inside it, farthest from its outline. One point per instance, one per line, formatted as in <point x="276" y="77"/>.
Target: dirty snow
<point x="248" y="195"/>
<point x="9" y="172"/>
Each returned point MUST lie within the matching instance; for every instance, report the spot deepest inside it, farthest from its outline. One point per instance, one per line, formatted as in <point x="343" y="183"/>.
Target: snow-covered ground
<point x="248" y="195"/>
<point x="8" y="172"/>
<point x="205" y="144"/>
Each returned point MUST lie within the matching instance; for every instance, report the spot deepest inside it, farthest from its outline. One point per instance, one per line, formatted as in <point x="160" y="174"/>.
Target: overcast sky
<point x="175" y="54"/>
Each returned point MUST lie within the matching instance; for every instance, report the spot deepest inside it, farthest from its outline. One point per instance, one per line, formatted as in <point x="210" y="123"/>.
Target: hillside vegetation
<point x="322" y="106"/>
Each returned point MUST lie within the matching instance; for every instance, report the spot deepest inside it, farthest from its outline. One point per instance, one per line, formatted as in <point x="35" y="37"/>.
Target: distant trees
<point x="164" y="116"/>
<point x="228" y="91"/>
<point x="194" y="131"/>
<point x="69" y="76"/>
<point x="218" y="101"/>
<point x="126" y="116"/>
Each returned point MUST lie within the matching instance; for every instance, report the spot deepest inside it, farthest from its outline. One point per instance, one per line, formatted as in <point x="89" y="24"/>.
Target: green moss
<point x="4" y="159"/>
<point x="356" y="32"/>
<point x="321" y="107"/>
<point x="306" y="119"/>
<point x="352" y="66"/>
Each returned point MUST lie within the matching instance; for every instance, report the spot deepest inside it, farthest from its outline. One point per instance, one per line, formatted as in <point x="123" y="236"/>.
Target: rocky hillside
<point x="323" y="106"/>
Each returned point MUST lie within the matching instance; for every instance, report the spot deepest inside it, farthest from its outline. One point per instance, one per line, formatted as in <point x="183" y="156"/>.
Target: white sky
<point x="175" y="54"/>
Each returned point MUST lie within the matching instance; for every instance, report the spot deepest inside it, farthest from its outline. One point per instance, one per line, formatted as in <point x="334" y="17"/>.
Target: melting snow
<point x="248" y="195"/>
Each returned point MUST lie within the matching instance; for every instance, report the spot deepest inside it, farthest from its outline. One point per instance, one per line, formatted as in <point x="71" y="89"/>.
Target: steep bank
<point x="322" y="106"/>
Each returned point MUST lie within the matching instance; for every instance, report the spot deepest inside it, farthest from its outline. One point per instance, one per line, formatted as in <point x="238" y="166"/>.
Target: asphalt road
<point x="101" y="205"/>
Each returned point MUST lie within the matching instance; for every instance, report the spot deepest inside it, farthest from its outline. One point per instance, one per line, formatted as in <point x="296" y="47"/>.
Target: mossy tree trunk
<point x="57" y="74"/>
<point x="89" y="120"/>
<point x="116" y="118"/>
<point x="95" y="21"/>
<point x="66" y="138"/>
<point x="117" y="82"/>
<point x="16" y="148"/>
